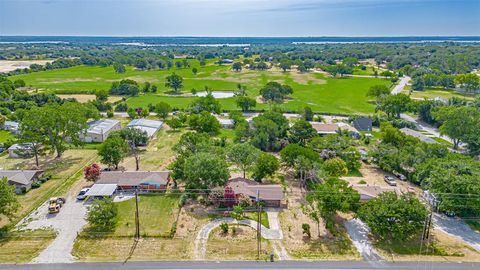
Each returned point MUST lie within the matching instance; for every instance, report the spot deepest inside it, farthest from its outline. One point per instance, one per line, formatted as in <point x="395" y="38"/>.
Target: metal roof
<point x="147" y="125"/>
<point x="101" y="190"/>
<point x="101" y="126"/>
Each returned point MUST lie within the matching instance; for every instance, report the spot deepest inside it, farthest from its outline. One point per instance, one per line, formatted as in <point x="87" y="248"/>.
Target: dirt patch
<point x="74" y="80"/>
<point x="8" y="65"/>
<point x="82" y="98"/>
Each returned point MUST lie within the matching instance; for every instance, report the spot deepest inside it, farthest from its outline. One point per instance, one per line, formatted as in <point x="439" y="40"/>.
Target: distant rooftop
<point x="101" y="126"/>
<point x="150" y="126"/>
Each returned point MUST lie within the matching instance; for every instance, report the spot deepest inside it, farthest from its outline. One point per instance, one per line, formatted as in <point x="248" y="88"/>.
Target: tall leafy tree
<point x="113" y="150"/>
<point x="458" y="123"/>
<point x="205" y="171"/>
<point x="265" y="166"/>
<point x="394" y="217"/>
<point x="393" y="105"/>
<point x="174" y="81"/>
<point x="243" y="156"/>
<point x="162" y="109"/>
<point x="245" y="103"/>
<point x="8" y="199"/>
<point x="301" y="132"/>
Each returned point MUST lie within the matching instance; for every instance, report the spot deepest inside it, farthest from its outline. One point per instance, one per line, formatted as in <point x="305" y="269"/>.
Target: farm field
<point x="320" y="92"/>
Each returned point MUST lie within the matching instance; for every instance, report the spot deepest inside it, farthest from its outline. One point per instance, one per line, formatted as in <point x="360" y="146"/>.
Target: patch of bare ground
<point x="321" y="245"/>
<point x="141" y="79"/>
<point x="10" y="65"/>
<point x="82" y="98"/>
<point x="73" y="80"/>
<point x="239" y="243"/>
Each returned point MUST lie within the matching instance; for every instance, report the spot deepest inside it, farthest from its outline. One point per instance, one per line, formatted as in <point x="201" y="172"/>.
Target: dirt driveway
<point x="67" y="223"/>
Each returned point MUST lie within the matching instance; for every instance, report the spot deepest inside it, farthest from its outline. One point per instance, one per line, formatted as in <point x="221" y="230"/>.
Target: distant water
<point x="228" y="41"/>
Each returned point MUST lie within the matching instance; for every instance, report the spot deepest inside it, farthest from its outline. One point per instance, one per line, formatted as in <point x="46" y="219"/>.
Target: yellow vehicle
<point x="54" y="204"/>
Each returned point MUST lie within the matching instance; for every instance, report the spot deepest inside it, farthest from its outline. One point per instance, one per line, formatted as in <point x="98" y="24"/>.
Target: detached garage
<point x="102" y="190"/>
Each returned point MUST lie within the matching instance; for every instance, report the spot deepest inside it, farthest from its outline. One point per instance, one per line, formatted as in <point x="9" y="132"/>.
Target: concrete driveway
<point x="359" y="232"/>
<point x="67" y="223"/>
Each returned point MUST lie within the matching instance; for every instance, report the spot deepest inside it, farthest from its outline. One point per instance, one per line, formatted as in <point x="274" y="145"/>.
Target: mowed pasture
<point x="322" y="93"/>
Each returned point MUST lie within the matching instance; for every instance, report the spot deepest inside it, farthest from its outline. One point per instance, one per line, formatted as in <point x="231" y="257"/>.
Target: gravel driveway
<point x="67" y="223"/>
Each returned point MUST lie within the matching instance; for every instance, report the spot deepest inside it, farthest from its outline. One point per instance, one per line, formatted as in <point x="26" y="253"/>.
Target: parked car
<point x="390" y="180"/>
<point x="81" y="195"/>
<point x="400" y="176"/>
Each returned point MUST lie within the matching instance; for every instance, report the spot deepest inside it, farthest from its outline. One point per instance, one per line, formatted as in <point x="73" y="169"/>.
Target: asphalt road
<point x="247" y="265"/>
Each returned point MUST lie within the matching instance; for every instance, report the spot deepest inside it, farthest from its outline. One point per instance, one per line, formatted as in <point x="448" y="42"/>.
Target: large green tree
<point x="205" y="171"/>
<point x="245" y="103"/>
<point x="458" y="123"/>
<point x="204" y="122"/>
<point x="113" y="150"/>
<point x="301" y="132"/>
<point x="265" y="166"/>
<point x="174" y="81"/>
<point x="243" y="155"/>
<point x="8" y="199"/>
<point x="394" y="217"/>
<point x="393" y="105"/>
<point x="102" y="214"/>
<point x="329" y="197"/>
<point x="59" y="124"/>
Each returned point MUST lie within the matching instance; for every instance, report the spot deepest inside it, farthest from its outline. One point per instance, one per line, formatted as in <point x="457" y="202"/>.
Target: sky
<point x="240" y="17"/>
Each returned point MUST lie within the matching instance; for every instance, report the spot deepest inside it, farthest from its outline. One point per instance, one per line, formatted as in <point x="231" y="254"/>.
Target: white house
<point x="226" y="123"/>
<point x="150" y="126"/>
<point x="12" y="126"/>
<point x="99" y="130"/>
<point x="16" y="150"/>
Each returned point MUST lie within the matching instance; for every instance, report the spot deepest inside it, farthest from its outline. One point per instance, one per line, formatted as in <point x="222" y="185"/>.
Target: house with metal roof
<point x="21" y="179"/>
<point x="99" y="130"/>
<point x="147" y="125"/>
<point x="363" y="124"/>
<point x="12" y="126"/>
<point x="20" y="150"/>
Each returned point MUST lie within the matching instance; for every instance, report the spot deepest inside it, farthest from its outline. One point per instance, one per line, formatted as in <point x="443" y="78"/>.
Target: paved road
<point x="401" y="85"/>
<point x="247" y="265"/>
<point x="457" y="228"/>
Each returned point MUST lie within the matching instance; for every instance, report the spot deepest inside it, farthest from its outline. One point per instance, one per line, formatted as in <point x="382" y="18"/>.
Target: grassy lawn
<point x="354" y="173"/>
<point x="241" y="245"/>
<point x="443" y="141"/>
<point x="157" y="215"/>
<point x="158" y="153"/>
<point x="324" y="94"/>
<point x="119" y="249"/>
<point x="6" y="136"/>
<point x="22" y="247"/>
<point x="65" y="171"/>
<point x="254" y="216"/>
<point x="431" y="93"/>
<point x="368" y="71"/>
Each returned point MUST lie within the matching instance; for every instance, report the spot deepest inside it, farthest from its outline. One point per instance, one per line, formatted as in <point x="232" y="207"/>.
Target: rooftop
<point x="23" y="177"/>
<point x="249" y="188"/>
<point x="134" y="178"/>
<point x="322" y="128"/>
<point x="147" y="125"/>
<point x="101" y="126"/>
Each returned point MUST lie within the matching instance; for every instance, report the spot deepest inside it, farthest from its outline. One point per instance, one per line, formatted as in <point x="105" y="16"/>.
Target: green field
<point x="157" y="215"/>
<point x="323" y="94"/>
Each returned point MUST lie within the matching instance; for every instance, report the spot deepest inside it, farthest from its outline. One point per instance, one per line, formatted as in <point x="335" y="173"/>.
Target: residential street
<point x="247" y="265"/>
<point x="401" y="85"/>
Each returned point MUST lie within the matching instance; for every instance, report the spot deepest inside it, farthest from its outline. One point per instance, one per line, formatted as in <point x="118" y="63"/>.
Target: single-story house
<point x="368" y="192"/>
<point x="12" y="126"/>
<point x="351" y="130"/>
<point x="19" y="150"/>
<point x="325" y="129"/>
<point x="147" y="125"/>
<point x="363" y="124"/>
<point x="226" y="61"/>
<point x="130" y="180"/>
<point x="271" y="195"/>
<point x="99" y="130"/>
<point x="21" y="179"/>
<point x="418" y="135"/>
<point x="226" y="123"/>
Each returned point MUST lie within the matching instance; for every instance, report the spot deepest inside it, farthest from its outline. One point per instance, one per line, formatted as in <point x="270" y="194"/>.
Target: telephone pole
<point x="259" y="227"/>
<point x="137" y="218"/>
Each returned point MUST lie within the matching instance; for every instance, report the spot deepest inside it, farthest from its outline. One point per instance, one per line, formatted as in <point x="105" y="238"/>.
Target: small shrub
<point x="306" y="229"/>
<point x="234" y="230"/>
<point x="362" y="182"/>
<point x="224" y="228"/>
<point x="36" y="185"/>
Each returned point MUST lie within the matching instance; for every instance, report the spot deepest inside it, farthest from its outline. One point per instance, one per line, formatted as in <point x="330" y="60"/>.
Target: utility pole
<point x="137" y="219"/>
<point x="259" y="227"/>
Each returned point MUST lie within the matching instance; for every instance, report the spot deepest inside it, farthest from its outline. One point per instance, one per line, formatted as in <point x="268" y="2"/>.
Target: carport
<point x="102" y="190"/>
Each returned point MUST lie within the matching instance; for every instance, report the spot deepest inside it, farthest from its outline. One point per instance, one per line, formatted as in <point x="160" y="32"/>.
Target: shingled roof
<point x="22" y="177"/>
<point x="124" y="178"/>
<point x="249" y="188"/>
